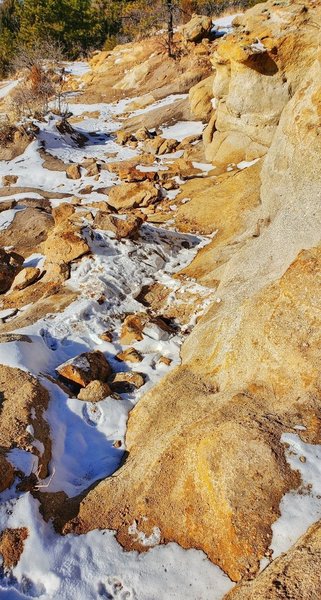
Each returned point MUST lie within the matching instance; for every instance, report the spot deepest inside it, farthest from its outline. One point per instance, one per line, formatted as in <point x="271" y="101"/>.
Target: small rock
<point x="10" y="265"/>
<point x="142" y="134"/>
<point x="93" y="170"/>
<point x="122" y="137"/>
<point x="127" y="382"/>
<point x="117" y="444"/>
<point x="7" y="205"/>
<point x="170" y="185"/>
<point x="73" y="171"/>
<point x="86" y="367"/>
<point x="168" y="146"/>
<point x="6" y="473"/>
<point x="132" y="329"/>
<point x="165" y="360"/>
<point x="62" y="212"/>
<point x="124" y="226"/>
<point x="9" y="179"/>
<point x="302" y="459"/>
<point x="25" y="277"/>
<point x="12" y="545"/>
<point x="106" y="336"/>
<point x="95" y="391"/>
<point x="133" y="195"/>
<point x="130" y="355"/>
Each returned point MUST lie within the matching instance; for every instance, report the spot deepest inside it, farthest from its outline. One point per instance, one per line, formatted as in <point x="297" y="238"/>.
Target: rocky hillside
<point x="161" y="259"/>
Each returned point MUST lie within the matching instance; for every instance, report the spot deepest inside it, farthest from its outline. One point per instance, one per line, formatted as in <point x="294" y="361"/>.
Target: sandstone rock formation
<point x="212" y="470"/>
<point x="258" y="69"/>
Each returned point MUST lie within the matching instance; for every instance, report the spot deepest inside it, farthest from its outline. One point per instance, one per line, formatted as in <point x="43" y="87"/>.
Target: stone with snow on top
<point x="62" y="212"/>
<point x="9" y="180"/>
<point x="25" y="277"/>
<point x="95" y="391"/>
<point x="73" y="171"/>
<point x="132" y="328"/>
<point x="130" y="355"/>
<point x="65" y="128"/>
<point x="127" y="381"/>
<point x="197" y="28"/>
<point x="85" y="368"/>
<point x="132" y="195"/>
<point x="123" y="226"/>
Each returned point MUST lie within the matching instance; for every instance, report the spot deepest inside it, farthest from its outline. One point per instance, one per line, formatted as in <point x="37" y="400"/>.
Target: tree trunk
<point x="170" y="29"/>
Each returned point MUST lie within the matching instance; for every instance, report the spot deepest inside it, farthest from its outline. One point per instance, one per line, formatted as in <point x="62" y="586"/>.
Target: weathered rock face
<point x="295" y="574"/>
<point x="24" y="401"/>
<point x="144" y="67"/>
<point x="212" y="470"/>
<point x="257" y="71"/>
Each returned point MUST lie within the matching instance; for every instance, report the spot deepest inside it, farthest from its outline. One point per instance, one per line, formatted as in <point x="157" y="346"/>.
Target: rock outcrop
<point x="212" y="470"/>
<point x="258" y="69"/>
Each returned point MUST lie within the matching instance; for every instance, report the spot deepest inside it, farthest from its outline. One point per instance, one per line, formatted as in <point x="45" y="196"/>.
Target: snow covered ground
<point x="94" y="565"/>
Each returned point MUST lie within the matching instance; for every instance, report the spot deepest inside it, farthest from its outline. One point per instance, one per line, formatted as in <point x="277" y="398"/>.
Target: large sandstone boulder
<point x="261" y="382"/>
<point x="212" y="470"/>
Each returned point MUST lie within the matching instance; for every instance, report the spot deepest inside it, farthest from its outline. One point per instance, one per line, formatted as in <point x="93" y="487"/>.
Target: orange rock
<point x="85" y="368"/>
